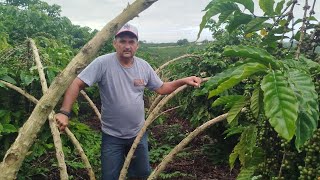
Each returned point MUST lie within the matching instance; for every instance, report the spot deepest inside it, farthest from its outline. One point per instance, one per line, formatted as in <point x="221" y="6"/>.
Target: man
<point x="121" y="78"/>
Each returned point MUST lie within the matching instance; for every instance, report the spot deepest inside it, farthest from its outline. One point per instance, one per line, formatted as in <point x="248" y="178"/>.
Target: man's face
<point x="126" y="46"/>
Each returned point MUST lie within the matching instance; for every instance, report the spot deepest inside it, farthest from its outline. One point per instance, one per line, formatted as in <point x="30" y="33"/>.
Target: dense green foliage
<point x="22" y="19"/>
<point x="280" y="91"/>
<point x="57" y="40"/>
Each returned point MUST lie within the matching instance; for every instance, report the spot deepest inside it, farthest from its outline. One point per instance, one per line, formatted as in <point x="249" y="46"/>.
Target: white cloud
<point x="164" y="21"/>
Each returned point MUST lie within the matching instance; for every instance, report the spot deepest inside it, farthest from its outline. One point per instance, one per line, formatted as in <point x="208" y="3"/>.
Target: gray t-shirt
<point x="121" y="91"/>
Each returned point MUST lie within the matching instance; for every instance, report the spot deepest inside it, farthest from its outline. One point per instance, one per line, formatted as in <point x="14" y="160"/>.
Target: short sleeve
<point x="154" y="82"/>
<point x="92" y="73"/>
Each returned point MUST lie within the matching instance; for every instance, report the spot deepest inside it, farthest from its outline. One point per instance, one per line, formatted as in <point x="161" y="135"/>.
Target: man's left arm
<point x="169" y="87"/>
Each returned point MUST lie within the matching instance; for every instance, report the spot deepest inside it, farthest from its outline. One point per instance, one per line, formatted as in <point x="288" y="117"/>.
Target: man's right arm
<point x="70" y="97"/>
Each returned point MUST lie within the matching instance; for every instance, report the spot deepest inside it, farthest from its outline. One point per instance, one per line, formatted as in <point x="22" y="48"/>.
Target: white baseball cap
<point x="128" y="28"/>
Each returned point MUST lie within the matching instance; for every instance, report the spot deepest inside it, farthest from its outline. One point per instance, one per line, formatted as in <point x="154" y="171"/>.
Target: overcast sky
<point x="164" y="21"/>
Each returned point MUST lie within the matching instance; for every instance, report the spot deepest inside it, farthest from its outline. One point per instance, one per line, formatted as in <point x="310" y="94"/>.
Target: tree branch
<point x="290" y="17"/>
<point x="37" y="60"/>
<point x="15" y="155"/>
<point x="83" y="156"/>
<point x="302" y="29"/>
<point x="149" y="120"/>
<point x="163" y="112"/>
<point x="313" y="41"/>
<point x="53" y="126"/>
<point x="282" y="163"/>
<point x="155" y="102"/>
<point x="282" y="15"/>
<point x="93" y="106"/>
<point x="21" y="91"/>
<point x="312" y="12"/>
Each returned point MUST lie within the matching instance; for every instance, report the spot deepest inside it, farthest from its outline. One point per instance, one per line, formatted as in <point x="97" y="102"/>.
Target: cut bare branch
<point x="37" y="60"/>
<point x="21" y="91"/>
<point x="52" y="123"/>
<point x="81" y="153"/>
<point x="58" y="146"/>
<point x="92" y="105"/>
<point x="159" y="97"/>
<point x="155" y="102"/>
<point x="14" y="157"/>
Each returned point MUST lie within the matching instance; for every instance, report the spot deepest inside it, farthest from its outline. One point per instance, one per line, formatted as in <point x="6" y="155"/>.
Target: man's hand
<point x="70" y="97"/>
<point x="169" y="87"/>
<point x="193" y="81"/>
<point x="62" y="121"/>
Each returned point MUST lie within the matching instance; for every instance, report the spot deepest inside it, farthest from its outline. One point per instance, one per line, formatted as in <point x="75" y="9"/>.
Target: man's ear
<point x="114" y="43"/>
<point x="138" y="44"/>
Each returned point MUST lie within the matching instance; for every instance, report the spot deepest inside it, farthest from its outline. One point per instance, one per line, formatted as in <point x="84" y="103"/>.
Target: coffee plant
<point x="279" y="127"/>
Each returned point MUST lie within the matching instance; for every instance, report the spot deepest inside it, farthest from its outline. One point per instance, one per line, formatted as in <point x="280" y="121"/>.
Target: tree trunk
<point x="14" y="157"/>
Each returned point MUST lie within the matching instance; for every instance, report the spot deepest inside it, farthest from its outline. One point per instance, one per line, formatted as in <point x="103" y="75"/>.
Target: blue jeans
<point x="113" y="153"/>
